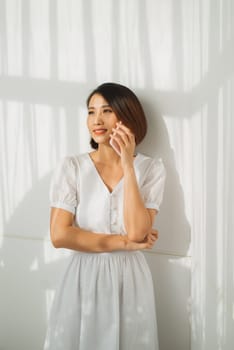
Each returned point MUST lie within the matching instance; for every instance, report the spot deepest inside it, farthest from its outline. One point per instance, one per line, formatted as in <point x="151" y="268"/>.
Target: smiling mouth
<point x="99" y="131"/>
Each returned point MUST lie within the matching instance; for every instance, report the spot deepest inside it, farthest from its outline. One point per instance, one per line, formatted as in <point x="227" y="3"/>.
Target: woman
<point x="103" y="205"/>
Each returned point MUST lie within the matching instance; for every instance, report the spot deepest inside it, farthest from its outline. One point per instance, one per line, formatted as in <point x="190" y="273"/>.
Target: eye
<point x="90" y="112"/>
<point x="107" y="110"/>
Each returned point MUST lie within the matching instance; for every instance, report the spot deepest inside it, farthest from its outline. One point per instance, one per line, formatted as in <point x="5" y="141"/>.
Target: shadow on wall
<point x="175" y="236"/>
<point x="169" y="267"/>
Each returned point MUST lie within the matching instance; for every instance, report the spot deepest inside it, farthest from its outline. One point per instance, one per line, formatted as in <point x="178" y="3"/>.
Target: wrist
<point x="115" y="242"/>
<point x="123" y="239"/>
<point x="128" y="169"/>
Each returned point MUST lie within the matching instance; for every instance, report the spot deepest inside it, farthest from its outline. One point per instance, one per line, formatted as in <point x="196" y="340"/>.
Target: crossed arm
<point x="65" y="235"/>
<point x="138" y="220"/>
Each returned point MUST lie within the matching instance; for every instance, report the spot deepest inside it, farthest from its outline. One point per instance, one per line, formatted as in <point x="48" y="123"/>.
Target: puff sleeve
<point x="153" y="185"/>
<point x="64" y="185"/>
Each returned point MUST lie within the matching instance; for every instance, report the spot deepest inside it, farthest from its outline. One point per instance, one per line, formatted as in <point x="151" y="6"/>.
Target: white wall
<point x="177" y="56"/>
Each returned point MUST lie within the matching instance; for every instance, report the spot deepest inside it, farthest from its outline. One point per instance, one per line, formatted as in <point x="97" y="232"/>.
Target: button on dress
<point x="105" y="301"/>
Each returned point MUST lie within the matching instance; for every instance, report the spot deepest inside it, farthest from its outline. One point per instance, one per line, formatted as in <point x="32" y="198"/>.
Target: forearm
<point x="75" y="238"/>
<point x="136" y="217"/>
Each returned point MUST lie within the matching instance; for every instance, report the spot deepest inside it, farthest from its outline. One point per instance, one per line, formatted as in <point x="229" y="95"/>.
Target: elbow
<point x="138" y="235"/>
<point x="135" y="238"/>
<point x="57" y="239"/>
<point x="137" y="230"/>
<point x="56" y="243"/>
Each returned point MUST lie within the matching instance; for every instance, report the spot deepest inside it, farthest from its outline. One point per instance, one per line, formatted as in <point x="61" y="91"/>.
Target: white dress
<point x="105" y="301"/>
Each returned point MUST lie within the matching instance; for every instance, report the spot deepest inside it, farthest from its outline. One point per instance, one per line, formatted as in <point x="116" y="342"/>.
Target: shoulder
<point x="149" y="164"/>
<point x="72" y="161"/>
<point x="67" y="166"/>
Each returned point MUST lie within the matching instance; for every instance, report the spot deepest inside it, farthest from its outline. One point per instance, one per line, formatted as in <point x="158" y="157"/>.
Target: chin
<point x="101" y="139"/>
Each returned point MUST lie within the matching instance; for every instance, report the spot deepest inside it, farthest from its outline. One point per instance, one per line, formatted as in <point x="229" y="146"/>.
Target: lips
<point x="99" y="131"/>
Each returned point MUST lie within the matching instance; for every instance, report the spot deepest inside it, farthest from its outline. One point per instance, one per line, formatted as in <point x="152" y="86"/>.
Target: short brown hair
<point x="125" y="105"/>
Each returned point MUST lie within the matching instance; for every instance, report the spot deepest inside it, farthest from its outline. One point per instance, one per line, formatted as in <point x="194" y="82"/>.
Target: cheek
<point x="88" y="123"/>
<point x="113" y="122"/>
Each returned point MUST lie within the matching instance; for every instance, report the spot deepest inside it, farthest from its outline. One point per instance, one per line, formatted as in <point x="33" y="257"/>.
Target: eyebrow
<point x="103" y="106"/>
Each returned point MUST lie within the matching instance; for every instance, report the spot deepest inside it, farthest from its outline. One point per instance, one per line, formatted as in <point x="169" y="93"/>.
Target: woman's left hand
<point x="149" y="241"/>
<point x="125" y="140"/>
<point x="151" y="238"/>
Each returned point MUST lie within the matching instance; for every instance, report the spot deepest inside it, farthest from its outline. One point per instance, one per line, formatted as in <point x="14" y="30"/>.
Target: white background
<point x="177" y="55"/>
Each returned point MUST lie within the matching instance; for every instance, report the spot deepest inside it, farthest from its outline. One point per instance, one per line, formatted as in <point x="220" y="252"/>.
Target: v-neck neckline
<point x="101" y="179"/>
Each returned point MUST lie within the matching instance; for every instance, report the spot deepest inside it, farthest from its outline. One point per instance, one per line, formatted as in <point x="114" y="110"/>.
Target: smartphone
<point x="115" y="147"/>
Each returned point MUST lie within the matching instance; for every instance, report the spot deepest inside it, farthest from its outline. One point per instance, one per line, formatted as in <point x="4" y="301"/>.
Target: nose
<point x="98" y="117"/>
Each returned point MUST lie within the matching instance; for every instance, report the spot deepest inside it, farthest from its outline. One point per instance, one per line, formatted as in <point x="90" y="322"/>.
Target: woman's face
<point x="101" y="119"/>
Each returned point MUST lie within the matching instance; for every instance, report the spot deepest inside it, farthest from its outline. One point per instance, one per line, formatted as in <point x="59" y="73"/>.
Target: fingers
<point x="154" y="233"/>
<point x="141" y="246"/>
<point x="121" y="140"/>
<point x="125" y="129"/>
<point x="152" y="237"/>
<point x="123" y="135"/>
<point x="147" y="243"/>
<point x="151" y="240"/>
<point x="131" y="245"/>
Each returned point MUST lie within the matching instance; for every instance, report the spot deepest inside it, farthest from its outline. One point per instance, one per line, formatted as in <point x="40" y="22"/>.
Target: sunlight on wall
<point x="163" y="63"/>
<point x="34" y="265"/>
<point x="13" y="163"/>
<point x="221" y="237"/>
<point x="13" y="61"/>
<point x="103" y="45"/>
<point x="203" y="147"/>
<point x="225" y="22"/>
<point x="196" y="36"/>
<point x="224" y="233"/>
<point x="38" y="25"/>
<point x="52" y="255"/>
<point x="69" y="40"/>
<point x="82" y="131"/>
<point x="49" y="297"/>
<point x="37" y="62"/>
<point x="28" y="150"/>
<point x="185" y="262"/>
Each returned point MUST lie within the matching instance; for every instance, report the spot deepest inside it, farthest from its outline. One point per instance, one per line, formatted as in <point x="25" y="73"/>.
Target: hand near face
<point x="123" y="141"/>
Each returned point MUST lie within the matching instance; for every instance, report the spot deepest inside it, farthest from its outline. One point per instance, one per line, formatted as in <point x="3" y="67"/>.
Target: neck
<point x="106" y="154"/>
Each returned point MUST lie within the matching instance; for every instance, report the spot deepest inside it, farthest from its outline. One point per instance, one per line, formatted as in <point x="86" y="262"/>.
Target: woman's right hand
<point x="147" y="243"/>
